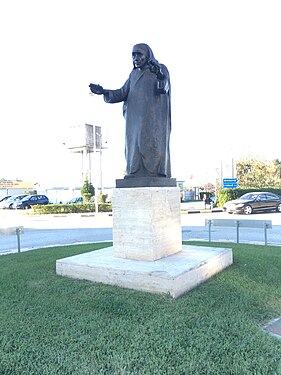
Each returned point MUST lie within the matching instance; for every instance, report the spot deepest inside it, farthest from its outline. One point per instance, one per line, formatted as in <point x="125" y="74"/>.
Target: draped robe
<point x="147" y="112"/>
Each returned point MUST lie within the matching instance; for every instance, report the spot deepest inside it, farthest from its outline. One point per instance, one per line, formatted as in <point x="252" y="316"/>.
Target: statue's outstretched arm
<point x="97" y="89"/>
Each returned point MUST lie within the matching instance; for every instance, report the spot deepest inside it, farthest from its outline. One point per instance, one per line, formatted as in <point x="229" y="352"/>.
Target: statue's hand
<point x="156" y="69"/>
<point x="96" y="89"/>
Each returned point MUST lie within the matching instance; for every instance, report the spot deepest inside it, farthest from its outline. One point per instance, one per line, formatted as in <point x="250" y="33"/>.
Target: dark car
<point x="254" y="202"/>
<point x="75" y="200"/>
<point x="31" y="200"/>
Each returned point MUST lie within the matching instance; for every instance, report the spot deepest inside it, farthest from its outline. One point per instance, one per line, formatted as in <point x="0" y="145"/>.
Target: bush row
<point x="225" y="195"/>
<point x="70" y="208"/>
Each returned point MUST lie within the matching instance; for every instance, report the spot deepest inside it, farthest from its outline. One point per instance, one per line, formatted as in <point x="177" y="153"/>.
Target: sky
<point x="224" y="60"/>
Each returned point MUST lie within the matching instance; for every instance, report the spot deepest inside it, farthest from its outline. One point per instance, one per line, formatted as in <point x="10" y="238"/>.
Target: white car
<point x="8" y="203"/>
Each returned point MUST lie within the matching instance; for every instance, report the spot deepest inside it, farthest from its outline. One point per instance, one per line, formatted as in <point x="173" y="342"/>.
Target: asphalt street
<point x="52" y="230"/>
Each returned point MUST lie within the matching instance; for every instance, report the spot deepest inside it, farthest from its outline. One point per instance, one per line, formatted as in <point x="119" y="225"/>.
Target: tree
<point x="87" y="190"/>
<point x="277" y="164"/>
<point x="258" y="173"/>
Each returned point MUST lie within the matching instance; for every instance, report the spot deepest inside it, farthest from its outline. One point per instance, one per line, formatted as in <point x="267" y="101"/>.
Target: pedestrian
<point x="207" y="201"/>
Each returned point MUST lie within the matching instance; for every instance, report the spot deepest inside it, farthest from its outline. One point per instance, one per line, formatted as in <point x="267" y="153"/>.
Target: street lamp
<point x="99" y="148"/>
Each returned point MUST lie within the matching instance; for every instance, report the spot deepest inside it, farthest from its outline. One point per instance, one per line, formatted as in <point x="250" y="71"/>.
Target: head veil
<point x="145" y="50"/>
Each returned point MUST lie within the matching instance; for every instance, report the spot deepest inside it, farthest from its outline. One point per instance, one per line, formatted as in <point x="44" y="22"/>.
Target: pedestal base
<point x="146" y="222"/>
<point x="174" y="275"/>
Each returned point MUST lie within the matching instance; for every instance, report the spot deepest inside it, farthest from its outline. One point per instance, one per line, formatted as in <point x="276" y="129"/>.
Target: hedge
<point x="70" y="208"/>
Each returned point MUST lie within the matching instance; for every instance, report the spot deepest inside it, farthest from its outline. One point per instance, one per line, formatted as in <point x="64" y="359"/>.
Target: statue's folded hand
<point x="156" y="69"/>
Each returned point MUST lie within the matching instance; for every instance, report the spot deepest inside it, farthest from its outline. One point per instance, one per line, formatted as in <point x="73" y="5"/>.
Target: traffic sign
<point x="230" y="183"/>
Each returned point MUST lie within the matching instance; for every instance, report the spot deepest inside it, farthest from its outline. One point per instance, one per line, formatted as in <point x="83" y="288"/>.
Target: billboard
<point x="85" y="136"/>
<point x="6" y="184"/>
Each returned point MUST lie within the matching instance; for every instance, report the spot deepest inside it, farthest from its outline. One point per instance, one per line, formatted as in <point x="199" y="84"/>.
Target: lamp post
<point x="99" y="149"/>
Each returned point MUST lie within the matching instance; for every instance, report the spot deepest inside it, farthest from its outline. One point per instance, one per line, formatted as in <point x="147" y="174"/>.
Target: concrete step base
<point x="174" y="275"/>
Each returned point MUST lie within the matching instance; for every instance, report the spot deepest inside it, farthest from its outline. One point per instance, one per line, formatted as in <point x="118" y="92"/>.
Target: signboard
<point x="230" y="183"/>
<point x="83" y="137"/>
<point x="5" y="184"/>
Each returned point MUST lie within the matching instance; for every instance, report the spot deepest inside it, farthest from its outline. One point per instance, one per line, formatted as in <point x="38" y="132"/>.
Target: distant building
<point x="14" y="187"/>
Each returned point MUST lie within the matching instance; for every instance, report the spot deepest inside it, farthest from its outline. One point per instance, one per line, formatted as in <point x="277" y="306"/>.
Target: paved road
<point x="50" y="230"/>
<point x="197" y="230"/>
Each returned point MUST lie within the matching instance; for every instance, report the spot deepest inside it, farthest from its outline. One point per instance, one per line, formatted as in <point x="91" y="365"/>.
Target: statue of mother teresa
<point x="147" y="112"/>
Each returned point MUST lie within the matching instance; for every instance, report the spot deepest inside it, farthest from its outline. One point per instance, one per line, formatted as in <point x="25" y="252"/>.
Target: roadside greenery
<point x="253" y="175"/>
<point x="258" y="173"/>
<point x="55" y="325"/>
<point x="71" y="208"/>
<point x="87" y="191"/>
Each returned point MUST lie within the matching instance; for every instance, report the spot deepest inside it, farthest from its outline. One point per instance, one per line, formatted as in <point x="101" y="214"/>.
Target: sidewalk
<point x="197" y="208"/>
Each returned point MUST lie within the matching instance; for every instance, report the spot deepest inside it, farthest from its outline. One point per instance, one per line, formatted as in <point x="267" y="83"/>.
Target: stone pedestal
<point x="147" y="253"/>
<point x="146" y="222"/>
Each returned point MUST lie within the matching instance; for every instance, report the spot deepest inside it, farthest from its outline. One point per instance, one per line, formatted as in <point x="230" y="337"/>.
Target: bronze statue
<point x="147" y="111"/>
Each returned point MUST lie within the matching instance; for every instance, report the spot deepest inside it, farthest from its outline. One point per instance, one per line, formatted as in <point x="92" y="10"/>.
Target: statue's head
<point x="141" y="54"/>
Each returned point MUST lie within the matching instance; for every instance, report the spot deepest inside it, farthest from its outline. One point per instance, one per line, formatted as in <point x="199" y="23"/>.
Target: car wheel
<point x="248" y="210"/>
<point x="26" y="207"/>
<point x="278" y="208"/>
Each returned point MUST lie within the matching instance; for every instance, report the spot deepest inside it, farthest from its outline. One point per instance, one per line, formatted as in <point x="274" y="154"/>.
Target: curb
<point x="201" y="211"/>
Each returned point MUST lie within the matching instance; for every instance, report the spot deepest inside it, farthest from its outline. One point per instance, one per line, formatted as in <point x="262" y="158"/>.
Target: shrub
<point x="71" y="208"/>
<point x="87" y="191"/>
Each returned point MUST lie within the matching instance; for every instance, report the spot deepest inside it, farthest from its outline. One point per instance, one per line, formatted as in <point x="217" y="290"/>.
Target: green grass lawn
<point x="54" y="325"/>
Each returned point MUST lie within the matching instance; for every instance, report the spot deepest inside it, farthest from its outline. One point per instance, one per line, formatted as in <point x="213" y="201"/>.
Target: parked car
<point x="30" y="200"/>
<point x="4" y="198"/>
<point x="8" y="203"/>
<point x="254" y="202"/>
<point x="75" y="200"/>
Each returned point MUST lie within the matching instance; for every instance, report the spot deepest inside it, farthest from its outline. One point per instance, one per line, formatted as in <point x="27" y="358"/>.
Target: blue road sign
<point x="230" y="183"/>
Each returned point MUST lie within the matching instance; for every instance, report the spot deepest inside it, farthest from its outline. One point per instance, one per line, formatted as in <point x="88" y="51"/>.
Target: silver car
<point x="8" y="203"/>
